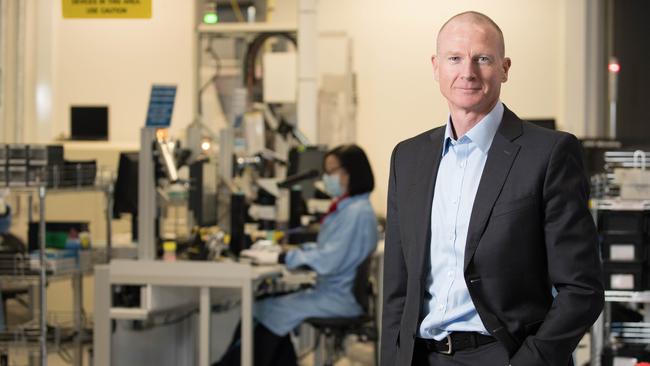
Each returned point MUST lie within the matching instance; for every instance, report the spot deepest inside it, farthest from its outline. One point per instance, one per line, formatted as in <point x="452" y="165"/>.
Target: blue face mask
<point x="333" y="185"/>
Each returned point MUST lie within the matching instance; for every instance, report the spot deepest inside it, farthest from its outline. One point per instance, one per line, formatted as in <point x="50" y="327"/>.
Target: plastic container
<point x="169" y="251"/>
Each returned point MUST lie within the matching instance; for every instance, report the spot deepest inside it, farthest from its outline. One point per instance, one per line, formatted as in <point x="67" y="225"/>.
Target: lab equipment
<point x="204" y="183"/>
<point x="307" y="158"/>
<point x="126" y="190"/>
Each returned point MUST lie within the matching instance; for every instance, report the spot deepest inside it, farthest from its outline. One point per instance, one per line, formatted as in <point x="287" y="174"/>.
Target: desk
<point x="204" y="275"/>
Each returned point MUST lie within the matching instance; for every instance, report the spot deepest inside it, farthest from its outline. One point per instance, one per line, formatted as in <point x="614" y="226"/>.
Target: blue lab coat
<point x="5" y="223"/>
<point x="346" y="238"/>
<point x="2" y="314"/>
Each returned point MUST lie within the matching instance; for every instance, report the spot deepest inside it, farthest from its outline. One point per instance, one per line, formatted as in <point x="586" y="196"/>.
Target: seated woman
<point x="5" y="223"/>
<point x="348" y="235"/>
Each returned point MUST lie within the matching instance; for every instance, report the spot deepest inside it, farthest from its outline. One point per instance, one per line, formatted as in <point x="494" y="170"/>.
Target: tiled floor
<point x="357" y="354"/>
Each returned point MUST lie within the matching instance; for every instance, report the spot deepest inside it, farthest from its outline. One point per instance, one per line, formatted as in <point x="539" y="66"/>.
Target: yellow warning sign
<point x="106" y="8"/>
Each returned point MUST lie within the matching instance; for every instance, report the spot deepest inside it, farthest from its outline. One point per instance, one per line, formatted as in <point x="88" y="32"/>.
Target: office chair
<point x="331" y="332"/>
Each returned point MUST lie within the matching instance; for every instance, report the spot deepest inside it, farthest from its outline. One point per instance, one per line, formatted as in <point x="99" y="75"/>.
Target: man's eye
<point x="454" y="58"/>
<point x="484" y="60"/>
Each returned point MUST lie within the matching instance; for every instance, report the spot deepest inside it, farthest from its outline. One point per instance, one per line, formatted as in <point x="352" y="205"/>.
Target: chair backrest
<point x="362" y="287"/>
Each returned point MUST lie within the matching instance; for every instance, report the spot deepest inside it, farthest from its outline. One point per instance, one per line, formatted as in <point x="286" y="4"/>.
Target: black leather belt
<point x="455" y="341"/>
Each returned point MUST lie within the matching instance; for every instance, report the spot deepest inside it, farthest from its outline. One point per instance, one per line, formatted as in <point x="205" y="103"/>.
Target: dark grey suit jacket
<point x="530" y="230"/>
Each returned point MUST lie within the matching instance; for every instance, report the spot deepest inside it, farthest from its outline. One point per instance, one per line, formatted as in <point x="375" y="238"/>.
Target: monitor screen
<point x="89" y="123"/>
<point x="303" y="159"/>
<point x="126" y="185"/>
<point x="546" y="123"/>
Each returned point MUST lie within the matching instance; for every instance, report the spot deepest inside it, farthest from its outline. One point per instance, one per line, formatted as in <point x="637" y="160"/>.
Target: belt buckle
<point x="450" y="350"/>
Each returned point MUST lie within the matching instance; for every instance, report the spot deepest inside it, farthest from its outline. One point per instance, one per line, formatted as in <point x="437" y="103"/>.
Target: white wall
<point x="398" y="97"/>
<point x="115" y="62"/>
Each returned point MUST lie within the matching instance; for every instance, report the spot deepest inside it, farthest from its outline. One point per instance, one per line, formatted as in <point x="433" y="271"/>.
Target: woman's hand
<point x="260" y="256"/>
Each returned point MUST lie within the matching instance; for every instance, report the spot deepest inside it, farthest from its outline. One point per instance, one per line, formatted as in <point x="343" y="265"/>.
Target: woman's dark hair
<point x="356" y="164"/>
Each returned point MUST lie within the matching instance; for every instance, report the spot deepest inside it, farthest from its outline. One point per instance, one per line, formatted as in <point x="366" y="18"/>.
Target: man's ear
<point x="434" y="63"/>
<point x="506" y="66"/>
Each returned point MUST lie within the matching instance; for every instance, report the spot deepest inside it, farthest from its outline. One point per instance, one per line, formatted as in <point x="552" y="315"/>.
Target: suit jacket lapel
<point x="499" y="161"/>
<point x="427" y="169"/>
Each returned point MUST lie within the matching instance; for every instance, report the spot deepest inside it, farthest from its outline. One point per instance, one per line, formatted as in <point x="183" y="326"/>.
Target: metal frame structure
<point x="76" y="275"/>
<point x="307" y="77"/>
<point x="204" y="275"/>
<point x="600" y="331"/>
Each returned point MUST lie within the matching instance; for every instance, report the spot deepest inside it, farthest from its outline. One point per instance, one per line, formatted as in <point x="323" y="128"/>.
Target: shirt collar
<point x="349" y="199"/>
<point x="482" y="133"/>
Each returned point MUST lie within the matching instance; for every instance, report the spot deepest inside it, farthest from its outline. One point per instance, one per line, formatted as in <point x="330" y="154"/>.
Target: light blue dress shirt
<point x="448" y="306"/>
<point x="346" y="238"/>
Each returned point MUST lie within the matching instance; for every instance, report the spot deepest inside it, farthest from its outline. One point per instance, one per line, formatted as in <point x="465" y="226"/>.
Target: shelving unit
<point x="602" y="335"/>
<point x="623" y="233"/>
<point x="53" y="329"/>
<point x="23" y="273"/>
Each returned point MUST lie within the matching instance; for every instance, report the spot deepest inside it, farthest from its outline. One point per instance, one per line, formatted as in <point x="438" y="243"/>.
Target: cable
<point x="251" y="56"/>
<point x="214" y="77"/>
<point x="254" y="47"/>
<point x="176" y="320"/>
<point x="235" y="7"/>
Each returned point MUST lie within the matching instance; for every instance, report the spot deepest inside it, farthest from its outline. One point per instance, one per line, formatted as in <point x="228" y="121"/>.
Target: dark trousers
<point x="492" y="354"/>
<point x="269" y="349"/>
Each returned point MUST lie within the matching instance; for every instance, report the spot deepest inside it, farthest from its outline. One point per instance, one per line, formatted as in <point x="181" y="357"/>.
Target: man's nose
<point x="468" y="70"/>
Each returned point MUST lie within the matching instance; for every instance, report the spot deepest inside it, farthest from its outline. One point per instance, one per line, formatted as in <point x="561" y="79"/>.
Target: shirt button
<point x="450" y="273"/>
<point x="440" y="307"/>
<point x="462" y="164"/>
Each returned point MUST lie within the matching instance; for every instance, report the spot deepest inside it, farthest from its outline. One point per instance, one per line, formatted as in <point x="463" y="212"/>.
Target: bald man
<point x="486" y="216"/>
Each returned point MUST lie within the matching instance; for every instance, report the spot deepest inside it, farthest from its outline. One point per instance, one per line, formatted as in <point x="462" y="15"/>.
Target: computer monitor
<point x="543" y="122"/>
<point x="89" y="123"/>
<point x="126" y="185"/>
<point x="125" y="194"/>
<point x="303" y="159"/>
